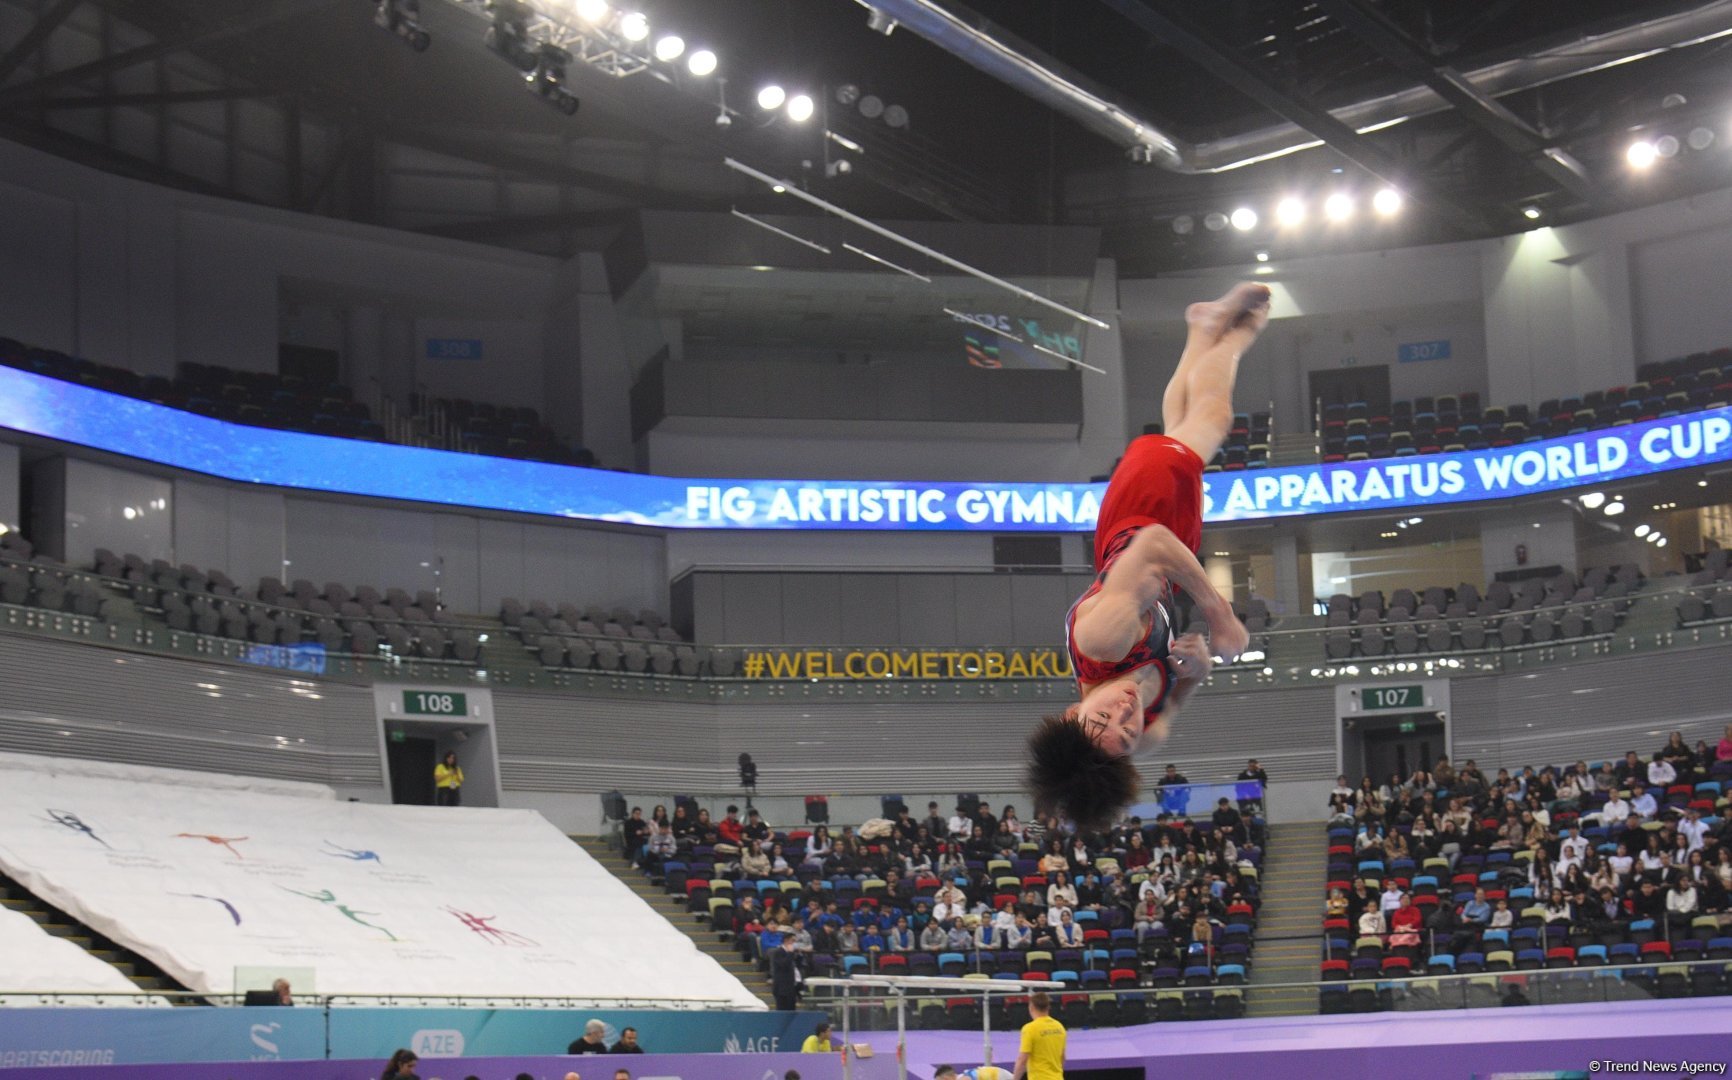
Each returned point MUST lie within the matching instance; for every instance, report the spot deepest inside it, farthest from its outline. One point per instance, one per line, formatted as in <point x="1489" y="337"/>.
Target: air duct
<point x="1021" y="66"/>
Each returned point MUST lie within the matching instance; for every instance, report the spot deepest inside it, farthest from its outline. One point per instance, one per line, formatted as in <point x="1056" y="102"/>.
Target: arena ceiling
<point x="307" y="104"/>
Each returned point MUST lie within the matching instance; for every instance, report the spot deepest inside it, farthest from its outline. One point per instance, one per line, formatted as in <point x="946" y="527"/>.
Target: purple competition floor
<point x="1456" y="1044"/>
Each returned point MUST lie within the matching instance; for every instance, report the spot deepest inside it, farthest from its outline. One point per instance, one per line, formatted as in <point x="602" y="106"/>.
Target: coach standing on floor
<point x="785" y="975"/>
<point x="1043" y="1039"/>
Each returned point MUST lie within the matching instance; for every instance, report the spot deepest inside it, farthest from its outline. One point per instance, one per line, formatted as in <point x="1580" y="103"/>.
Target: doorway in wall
<point x="1385" y="745"/>
<point x="413" y="747"/>
<point x="1343" y="386"/>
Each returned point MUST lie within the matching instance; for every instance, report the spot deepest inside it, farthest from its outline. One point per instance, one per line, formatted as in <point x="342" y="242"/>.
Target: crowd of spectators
<point x="1450" y="870"/>
<point x="971" y="891"/>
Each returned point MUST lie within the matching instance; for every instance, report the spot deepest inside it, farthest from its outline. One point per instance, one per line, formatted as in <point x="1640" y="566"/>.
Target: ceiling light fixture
<point x="800" y="108"/>
<point x="1290" y="212"/>
<point x="670" y="48"/>
<point x="702" y="62"/>
<point x="1641" y="154"/>
<point x="771" y="97"/>
<point x="1244" y="219"/>
<point x="1387" y="202"/>
<point x="1338" y="207"/>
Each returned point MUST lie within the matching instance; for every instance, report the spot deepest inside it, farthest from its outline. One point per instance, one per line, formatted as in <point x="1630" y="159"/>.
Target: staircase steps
<point x="1289" y="922"/>
<point x="142" y="973"/>
<point x="674" y="910"/>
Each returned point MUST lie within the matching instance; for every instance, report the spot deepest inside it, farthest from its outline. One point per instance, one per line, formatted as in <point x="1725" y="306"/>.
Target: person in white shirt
<point x="1642" y="805"/>
<point x="1621" y="863"/>
<point x="1391" y="898"/>
<point x="1572" y="849"/>
<point x="1068" y="933"/>
<point x="1061" y="893"/>
<point x="1693" y="828"/>
<point x="1681" y="901"/>
<point x="1661" y="774"/>
<point x="943" y="912"/>
<point x="961" y="827"/>
<point x="1617" y="808"/>
<point x="1372" y="923"/>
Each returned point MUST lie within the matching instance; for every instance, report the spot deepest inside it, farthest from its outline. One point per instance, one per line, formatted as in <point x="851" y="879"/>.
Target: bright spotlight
<point x="1661" y="543"/>
<point x="1387" y="202"/>
<point x="1244" y="219"/>
<point x="1593" y="500"/>
<point x="1614" y="508"/>
<point x="633" y="26"/>
<point x="591" y="11"/>
<point x="800" y="108"/>
<point x="701" y="62"/>
<point x="1642" y="530"/>
<point x="1289" y="212"/>
<point x="771" y="97"/>
<point x="670" y="48"/>
<point x="1338" y="207"/>
<point x="1214" y="221"/>
<point x="1262" y="256"/>
<point x="1641" y="154"/>
<point x="1531" y="212"/>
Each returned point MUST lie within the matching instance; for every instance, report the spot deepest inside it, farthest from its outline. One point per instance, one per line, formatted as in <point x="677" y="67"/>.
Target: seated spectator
<point x="901" y="938"/>
<point x="871" y="941"/>
<point x="1502" y="918"/>
<point x="1340" y="811"/>
<point x="1572" y="849"/>
<point x="1693" y="828"/>
<point x="1336" y="906"/>
<point x="1137" y="854"/>
<point x="932" y="938"/>
<point x="754" y="861"/>
<point x="1060" y="893"/>
<point x="627" y="1043"/>
<point x="755" y="828"/>
<point x="1557" y="908"/>
<point x="1067" y="933"/>
<point x="1678" y="752"/>
<point x="1476" y="912"/>
<point x="401" y="1066"/>
<point x="959" y="936"/>
<point x="1631" y="771"/>
<point x="592" y="1040"/>
<point x="1343" y="790"/>
<point x="847" y="938"/>
<point x="779" y="867"/>
<point x="1443" y="773"/>
<point x="984" y="934"/>
<point x="1661" y="774"/>
<point x="1404" y="924"/>
<point x="1681" y="902"/>
<point x="661" y="846"/>
<point x="1642" y="805"/>
<point x="818" y="847"/>
<point x="1371" y="923"/>
<point x="1391" y="898"/>
<point x="1021" y="936"/>
<point x="730" y="829"/>
<point x="1723" y="752"/>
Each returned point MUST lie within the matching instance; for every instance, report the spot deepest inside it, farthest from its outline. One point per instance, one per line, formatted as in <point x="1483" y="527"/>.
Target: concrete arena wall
<point x="557" y="752"/>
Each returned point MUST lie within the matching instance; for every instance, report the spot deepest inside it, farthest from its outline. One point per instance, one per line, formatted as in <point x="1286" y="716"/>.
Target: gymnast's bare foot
<point x="1244" y="307"/>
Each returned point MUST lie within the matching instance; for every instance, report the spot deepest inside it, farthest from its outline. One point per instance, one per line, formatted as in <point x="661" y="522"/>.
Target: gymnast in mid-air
<point x="1133" y="674"/>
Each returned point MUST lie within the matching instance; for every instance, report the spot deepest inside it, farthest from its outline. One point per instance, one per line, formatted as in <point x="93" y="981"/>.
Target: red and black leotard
<point x="1156" y="643"/>
<point x="1159" y="481"/>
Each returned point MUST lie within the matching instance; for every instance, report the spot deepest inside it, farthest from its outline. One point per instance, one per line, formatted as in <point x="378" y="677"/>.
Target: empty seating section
<point x="495" y="430"/>
<point x="1356" y="430"/>
<point x="29" y="579"/>
<point x="1573" y="870"/>
<point x="1464" y="619"/>
<point x="292" y="403"/>
<point x="610" y="639"/>
<point x="1115" y="914"/>
<point x="1246" y="446"/>
<point x="1710" y="597"/>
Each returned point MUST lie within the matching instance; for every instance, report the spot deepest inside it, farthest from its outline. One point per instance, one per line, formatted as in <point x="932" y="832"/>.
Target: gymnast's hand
<point x="1191" y="660"/>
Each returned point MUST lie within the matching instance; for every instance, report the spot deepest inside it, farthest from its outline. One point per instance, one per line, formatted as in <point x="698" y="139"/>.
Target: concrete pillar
<point x="1293" y="588"/>
<point x="1105" y="429"/>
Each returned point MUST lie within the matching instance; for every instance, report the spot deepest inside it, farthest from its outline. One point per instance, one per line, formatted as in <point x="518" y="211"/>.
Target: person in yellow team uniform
<point x="1042" y="1056"/>
<point x="819" y="1041"/>
<point x="448" y="781"/>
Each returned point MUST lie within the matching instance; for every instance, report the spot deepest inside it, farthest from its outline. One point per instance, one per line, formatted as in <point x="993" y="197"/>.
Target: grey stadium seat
<point x="551" y="650"/>
<point x="635" y="656"/>
<point x="367" y="596"/>
<point x="1405" y="638"/>
<point x="465" y="646"/>
<point x="1437" y="637"/>
<point x="1510" y="632"/>
<point x="1372" y="641"/>
<point x="607" y="656"/>
<point x="1337" y="645"/>
<point x="579" y="653"/>
<point x="1604" y="620"/>
<point x="1691" y="608"/>
<point x="661" y="659"/>
<point x="1473" y="634"/>
<point x="686" y="658"/>
<point x="1574" y="623"/>
<point x="724" y="662"/>
<point x="1542" y="629"/>
<point x="1721" y="605"/>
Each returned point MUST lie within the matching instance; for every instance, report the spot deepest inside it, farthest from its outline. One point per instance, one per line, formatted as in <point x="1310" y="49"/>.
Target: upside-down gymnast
<point x="1133" y="675"/>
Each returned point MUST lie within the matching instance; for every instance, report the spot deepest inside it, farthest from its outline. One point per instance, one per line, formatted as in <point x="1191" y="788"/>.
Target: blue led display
<point x="70" y="413"/>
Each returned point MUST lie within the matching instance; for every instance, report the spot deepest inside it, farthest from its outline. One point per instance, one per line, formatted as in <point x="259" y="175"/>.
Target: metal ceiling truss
<point x="1406" y="54"/>
<point x="1255" y="83"/>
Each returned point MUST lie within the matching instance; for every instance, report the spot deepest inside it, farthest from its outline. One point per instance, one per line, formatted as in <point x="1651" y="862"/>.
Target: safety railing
<point x="988" y="1005"/>
<point x="1280" y="656"/>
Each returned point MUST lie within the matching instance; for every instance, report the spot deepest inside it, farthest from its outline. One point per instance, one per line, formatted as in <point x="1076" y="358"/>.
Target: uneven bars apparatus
<point x="897" y="986"/>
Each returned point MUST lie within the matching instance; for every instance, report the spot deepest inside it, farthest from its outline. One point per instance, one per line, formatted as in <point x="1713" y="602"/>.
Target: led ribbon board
<point x="71" y="413"/>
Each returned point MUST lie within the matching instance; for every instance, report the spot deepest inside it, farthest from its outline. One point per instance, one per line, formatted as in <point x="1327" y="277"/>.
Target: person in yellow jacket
<point x="448" y="781"/>
<point x="819" y="1041"/>
<point x="1043" y="1040"/>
